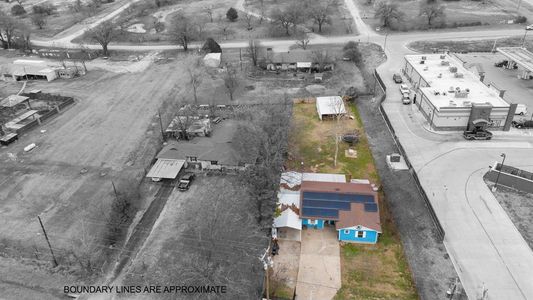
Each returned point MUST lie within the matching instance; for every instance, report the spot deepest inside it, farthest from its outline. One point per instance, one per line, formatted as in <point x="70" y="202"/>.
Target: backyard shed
<point x="330" y="106"/>
<point x="212" y="59"/>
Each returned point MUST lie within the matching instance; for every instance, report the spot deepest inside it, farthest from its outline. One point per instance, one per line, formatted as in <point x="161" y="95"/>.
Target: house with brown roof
<point x="297" y="60"/>
<point x="352" y="208"/>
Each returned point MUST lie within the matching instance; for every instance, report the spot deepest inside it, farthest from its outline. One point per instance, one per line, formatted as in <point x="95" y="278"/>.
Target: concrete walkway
<point x="319" y="276"/>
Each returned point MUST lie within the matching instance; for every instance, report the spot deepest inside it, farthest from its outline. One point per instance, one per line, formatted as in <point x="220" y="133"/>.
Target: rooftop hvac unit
<point x="451" y="90"/>
<point x="422" y="62"/>
<point x="442" y="56"/>
<point x="426" y="68"/>
<point x="424" y="58"/>
<point x="461" y="94"/>
<point x="440" y="75"/>
<point x="458" y="75"/>
<point x="444" y="63"/>
<point x="453" y="69"/>
<point x="467" y="103"/>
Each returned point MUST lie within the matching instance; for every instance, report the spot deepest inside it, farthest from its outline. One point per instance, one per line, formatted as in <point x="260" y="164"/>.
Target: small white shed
<point x="213" y="59"/>
<point x="330" y="106"/>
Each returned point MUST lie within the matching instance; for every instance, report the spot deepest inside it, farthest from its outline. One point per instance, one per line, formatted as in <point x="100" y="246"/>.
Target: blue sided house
<point x="351" y="207"/>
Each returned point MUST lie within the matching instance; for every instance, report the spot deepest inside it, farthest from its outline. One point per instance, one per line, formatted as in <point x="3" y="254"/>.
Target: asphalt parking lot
<point x="516" y="90"/>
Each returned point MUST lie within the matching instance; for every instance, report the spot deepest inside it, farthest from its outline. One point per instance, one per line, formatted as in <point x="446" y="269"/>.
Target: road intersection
<point x="484" y="245"/>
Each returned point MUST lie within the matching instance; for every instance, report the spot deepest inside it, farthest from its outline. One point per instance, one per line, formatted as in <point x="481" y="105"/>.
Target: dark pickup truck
<point x="522" y="124"/>
<point x="477" y="135"/>
<point x="185" y="182"/>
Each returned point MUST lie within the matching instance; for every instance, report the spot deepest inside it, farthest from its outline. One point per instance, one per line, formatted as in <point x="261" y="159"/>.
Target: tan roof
<point x="357" y="216"/>
<point x="340" y="187"/>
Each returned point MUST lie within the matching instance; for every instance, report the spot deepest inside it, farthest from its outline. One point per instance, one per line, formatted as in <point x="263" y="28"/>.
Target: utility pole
<point x="267" y="265"/>
<point x="161" y="126"/>
<point x="115" y="190"/>
<point x="498" y="177"/>
<point x="48" y="241"/>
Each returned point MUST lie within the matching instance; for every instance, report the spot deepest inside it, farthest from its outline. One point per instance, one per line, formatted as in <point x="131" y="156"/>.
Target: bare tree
<point x="38" y="20"/>
<point x="84" y="53"/>
<point x="209" y="11"/>
<point x="339" y="111"/>
<point x="319" y="13"/>
<point x="321" y="57"/>
<point x="254" y="48"/>
<point x="431" y="11"/>
<point x="8" y="26"/>
<point x="196" y="74"/>
<point x="183" y="30"/>
<point x="186" y="116"/>
<point x="248" y="19"/>
<point x="288" y="18"/>
<point x="388" y="11"/>
<point x="302" y="39"/>
<point x="104" y="33"/>
<point x="231" y="81"/>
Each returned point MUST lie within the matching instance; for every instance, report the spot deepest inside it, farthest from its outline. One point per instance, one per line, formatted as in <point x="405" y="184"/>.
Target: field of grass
<point x="457" y="13"/>
<point x="368" y="271"/>
<point x="341" y="20"/>
<point x="313" y="143"/>
<point x="468" y="46"/>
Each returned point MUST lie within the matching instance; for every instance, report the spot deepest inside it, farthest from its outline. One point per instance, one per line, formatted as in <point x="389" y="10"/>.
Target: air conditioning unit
<point x="442" y="56"/>
<point x="467" y="103"/>
<point x="444" y="63"/>
<point x="422" y="62"/>
<point x="453" y="69"/>
<point x="426" y="68"/>
<point x="458" y="75"/>
<point x="440" y="75"/>
<point x="424" y="58"/>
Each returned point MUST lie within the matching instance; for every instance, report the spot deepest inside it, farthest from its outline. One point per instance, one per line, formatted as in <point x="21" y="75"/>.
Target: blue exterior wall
<point x="319" y="224"/>
<point x="371" y="236"/>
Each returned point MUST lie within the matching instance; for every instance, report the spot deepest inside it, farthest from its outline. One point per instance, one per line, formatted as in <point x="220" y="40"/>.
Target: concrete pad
<point x="319" y="276"/>
<point x="287" y="262"/>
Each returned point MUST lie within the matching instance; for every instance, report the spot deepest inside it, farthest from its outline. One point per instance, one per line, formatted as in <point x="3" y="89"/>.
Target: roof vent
<point x="424" y="58"/>
<point x="444" y="63"/>
<point x="453" y="69"/>
<point x="442" y="56"/>
<point x="458" y="75"/>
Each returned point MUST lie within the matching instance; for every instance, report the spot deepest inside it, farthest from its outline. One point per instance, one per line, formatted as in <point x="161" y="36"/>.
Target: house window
<point x="193" y="158"/>
<point x="312" y="222"/>
<point x="360" y="234"/>
<point x="214" y="162"/>
<point x="346" y="231"/>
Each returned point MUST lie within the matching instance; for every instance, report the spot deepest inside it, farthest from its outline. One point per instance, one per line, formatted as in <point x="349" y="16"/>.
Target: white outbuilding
<point x="330" y="106"/>
<point x="213" y="59"/>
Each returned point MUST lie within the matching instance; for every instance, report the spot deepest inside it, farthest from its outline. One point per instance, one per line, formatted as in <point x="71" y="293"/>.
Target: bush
<point x="18" y="10"/>
<point x="159" y="26"/>
<point x="43" y="9"/>
<point x="520" y="20"/>
<point x="232" y="14"/>
<point x="350" y="45"/>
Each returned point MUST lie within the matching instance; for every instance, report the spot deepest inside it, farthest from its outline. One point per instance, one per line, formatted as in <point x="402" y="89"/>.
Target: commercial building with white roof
<point x="450" y="96"/>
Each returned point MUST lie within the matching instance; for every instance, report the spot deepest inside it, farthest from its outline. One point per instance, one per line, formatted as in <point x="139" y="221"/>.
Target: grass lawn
<point x="468" y="46"/>
<point x="313" y="143"/>
<point x="457" y="13"/>
<point x="368" y="271"/>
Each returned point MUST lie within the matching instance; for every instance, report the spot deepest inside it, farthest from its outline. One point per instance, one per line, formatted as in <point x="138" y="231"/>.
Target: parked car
<point x="350" y="138"/>
<point x="397" y="78"/>
<point x="522" y="124"/>
<point x="477" y="135"/>
<point x="521" y="109"/>
<point x="404" y="88"/>
<point x="185" y="181"/>
<point x="502" y="63"/>
<point x="529" y="27"/>
<point x="405" y="98"/>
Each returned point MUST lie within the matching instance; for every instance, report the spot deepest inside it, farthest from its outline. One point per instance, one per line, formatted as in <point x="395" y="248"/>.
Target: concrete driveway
<point x="319" y="276"/>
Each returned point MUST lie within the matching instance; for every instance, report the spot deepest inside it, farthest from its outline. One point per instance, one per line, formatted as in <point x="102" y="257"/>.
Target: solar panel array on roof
<point x="327" y="205"/>
<point x="371" y="207"/>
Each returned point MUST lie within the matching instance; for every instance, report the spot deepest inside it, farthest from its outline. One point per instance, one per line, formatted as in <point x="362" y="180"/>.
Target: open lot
<point x="109" y="137"/>
<point x="63" y="17"/>
<point x="195" y="242"/>
<point x="387" y="256"/>
<point x="340" y="18"/>
<point x="457" y="13"/>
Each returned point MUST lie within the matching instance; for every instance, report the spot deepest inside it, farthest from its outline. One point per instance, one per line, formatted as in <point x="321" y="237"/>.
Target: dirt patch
<point x="519" y="207"/>
<point x="467" y="46"/>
